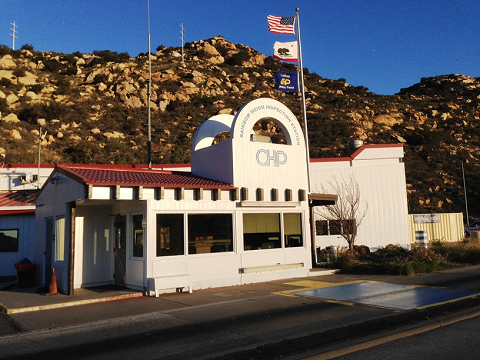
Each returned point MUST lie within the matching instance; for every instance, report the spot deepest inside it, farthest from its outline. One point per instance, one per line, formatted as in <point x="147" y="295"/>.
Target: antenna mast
<point x="13" y="34"/>
<point x="182" y="38"/>
<point x="149" y="93"/>
<point x="42" y="137"/>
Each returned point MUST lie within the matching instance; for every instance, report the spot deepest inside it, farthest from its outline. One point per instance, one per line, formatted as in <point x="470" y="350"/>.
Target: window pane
<point x="349" y="226"/>
<point x="261" y="231"/>
<point x="137" y="236"/>
<point x="321" y="227"/>
<point x="335" y="227"/>
<point x="60" y="239"/>
<point x="209" y="233"/>
<point x="170" y="237"/>
<point x="292" y="228"/>
<point x="9" y="240"/>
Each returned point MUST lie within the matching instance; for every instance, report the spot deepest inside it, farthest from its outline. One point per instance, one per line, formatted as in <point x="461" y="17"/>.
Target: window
<point x="321" y="227"/>
<point x="170" y="235"/>
<point x="137" y="236"/>
<point x="209" y="233"/>
<point x="9" y="240"/>
<point x="261" y="231"/>
<point x="292" y="229"/>
<point x="334" y="227"/>
<point x="60" y="239"/>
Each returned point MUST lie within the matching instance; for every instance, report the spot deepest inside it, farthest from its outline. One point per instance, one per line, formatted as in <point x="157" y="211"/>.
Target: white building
<point x="380" y="173"/>
<point x="242" y="215"/>
<point x="18" y="188"/>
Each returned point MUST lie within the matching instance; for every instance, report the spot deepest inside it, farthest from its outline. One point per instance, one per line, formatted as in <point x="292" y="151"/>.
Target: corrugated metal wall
<point x="450" y="227"/>
<point x="25" y="223"/>
<point x="382" y="188"/>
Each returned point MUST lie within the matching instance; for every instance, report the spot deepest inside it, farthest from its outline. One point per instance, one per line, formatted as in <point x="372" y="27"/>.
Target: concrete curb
<point x="68" y="304"/>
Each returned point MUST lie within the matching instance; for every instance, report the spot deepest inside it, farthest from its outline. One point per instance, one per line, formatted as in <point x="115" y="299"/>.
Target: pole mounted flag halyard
<point x="281" y="24"/>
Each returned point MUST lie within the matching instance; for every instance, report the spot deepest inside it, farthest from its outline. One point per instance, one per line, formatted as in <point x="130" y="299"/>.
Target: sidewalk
<point x="335" y="321"/>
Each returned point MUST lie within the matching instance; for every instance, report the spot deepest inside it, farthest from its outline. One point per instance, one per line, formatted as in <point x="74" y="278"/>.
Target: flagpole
<point x="302" y="88"/>
<point x="149" y="93"/>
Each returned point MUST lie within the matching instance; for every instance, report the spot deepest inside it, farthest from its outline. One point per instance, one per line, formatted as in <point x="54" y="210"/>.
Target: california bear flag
<point x="286" y="51"/>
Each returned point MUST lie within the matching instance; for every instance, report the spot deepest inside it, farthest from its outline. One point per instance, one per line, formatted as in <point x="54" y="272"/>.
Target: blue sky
<point x="383" y="45"/>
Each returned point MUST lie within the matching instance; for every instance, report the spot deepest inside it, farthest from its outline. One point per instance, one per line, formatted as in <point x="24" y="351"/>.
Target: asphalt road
<point x="455" y="341"/>
<point x="237" y="324"/>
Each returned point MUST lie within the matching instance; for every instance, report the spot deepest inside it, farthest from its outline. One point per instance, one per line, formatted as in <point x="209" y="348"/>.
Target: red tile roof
<point x="139" y="177"/>
<point x="15" y="202"/>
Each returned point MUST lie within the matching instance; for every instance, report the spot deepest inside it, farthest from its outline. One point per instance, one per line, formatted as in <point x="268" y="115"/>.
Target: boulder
<point x="133" y="102"/>
<point x="28" y="79"/>
<point x="6" y="62"/>
<point x="11" y="118"/>
<point x="209" y="49"/>
<point x="15" y="134"/>
<point x="11" y="98"/>
<point x="114" y="135"/>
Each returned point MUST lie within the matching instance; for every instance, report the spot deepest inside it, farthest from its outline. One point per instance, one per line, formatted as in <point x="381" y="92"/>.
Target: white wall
<point x="10" y="176"/>
<point x="53" y="202"/>
<point x="25" y="223"/>
<point x="380" y="174"/>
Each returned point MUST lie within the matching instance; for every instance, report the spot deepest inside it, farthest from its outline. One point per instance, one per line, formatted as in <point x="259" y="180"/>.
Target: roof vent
<point x="355" y="144"/>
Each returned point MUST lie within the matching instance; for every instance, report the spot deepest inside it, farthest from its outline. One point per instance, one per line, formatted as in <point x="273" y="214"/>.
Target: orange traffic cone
<point x="53" y="284"/>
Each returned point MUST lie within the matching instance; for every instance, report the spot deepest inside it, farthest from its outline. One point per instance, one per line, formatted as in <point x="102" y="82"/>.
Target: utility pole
<point x="182" y="38"/>
<point x="42" y="137"/>
<point x="465" y="194"/>
<point x="14" y="34"/>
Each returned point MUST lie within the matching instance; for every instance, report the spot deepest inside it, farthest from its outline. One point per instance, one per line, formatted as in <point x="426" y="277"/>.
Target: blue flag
<point x="286" y="81"/>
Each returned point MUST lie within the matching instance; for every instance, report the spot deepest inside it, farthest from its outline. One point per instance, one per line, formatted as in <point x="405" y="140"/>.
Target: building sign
<point x="426" y="218"/>
<point x="267" y="158"/>
<point x="267" y="108"/>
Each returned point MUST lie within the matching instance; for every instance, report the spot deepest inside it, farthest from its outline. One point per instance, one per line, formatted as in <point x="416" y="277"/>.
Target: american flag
<point x="281" y="24"/>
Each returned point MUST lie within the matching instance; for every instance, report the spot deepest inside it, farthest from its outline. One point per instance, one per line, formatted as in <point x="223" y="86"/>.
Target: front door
<point x="120" y="250"/>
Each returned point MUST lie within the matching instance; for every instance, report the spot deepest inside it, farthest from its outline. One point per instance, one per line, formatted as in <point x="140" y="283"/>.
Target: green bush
<point x="395" y="260"/>
<point x="19" y="72"/>
<point x="27" y="47"/>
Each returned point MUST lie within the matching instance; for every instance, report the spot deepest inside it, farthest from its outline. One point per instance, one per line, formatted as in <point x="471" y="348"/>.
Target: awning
<point x="316" y="199"/>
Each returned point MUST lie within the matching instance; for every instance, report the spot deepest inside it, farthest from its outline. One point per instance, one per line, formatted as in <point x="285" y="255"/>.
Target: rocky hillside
<point x="94" y="110"/>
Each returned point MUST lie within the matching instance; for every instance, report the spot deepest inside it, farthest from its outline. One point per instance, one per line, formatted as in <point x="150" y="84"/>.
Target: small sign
<point x="426" y="218"/>
<point x="144" y="222"/>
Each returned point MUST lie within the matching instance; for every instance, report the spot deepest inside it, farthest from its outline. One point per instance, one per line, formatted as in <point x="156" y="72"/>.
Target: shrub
<point x="4" y="50"/>
<point x="99" y="78"/>
<point x="395" y="260"/>
<point x="112" y="56"/>
<point x="52" y="65"/>
<point x="238" y="59"/>
<point x="19" y="72"/>
<point x="7" y="83"/>
<point x="27" y="47"/>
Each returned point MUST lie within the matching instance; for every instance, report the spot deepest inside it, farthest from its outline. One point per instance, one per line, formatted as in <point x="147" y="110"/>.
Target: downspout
<point x="71" y="257"/>
<point x="311" y="210"/>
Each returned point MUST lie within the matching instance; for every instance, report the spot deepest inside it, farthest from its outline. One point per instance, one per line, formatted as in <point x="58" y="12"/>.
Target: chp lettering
<point x="265" y="158"/>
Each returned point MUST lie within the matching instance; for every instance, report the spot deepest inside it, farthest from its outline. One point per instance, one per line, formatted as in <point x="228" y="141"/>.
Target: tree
<point x="346" y="212"/>
<point x="27" y="47"/>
